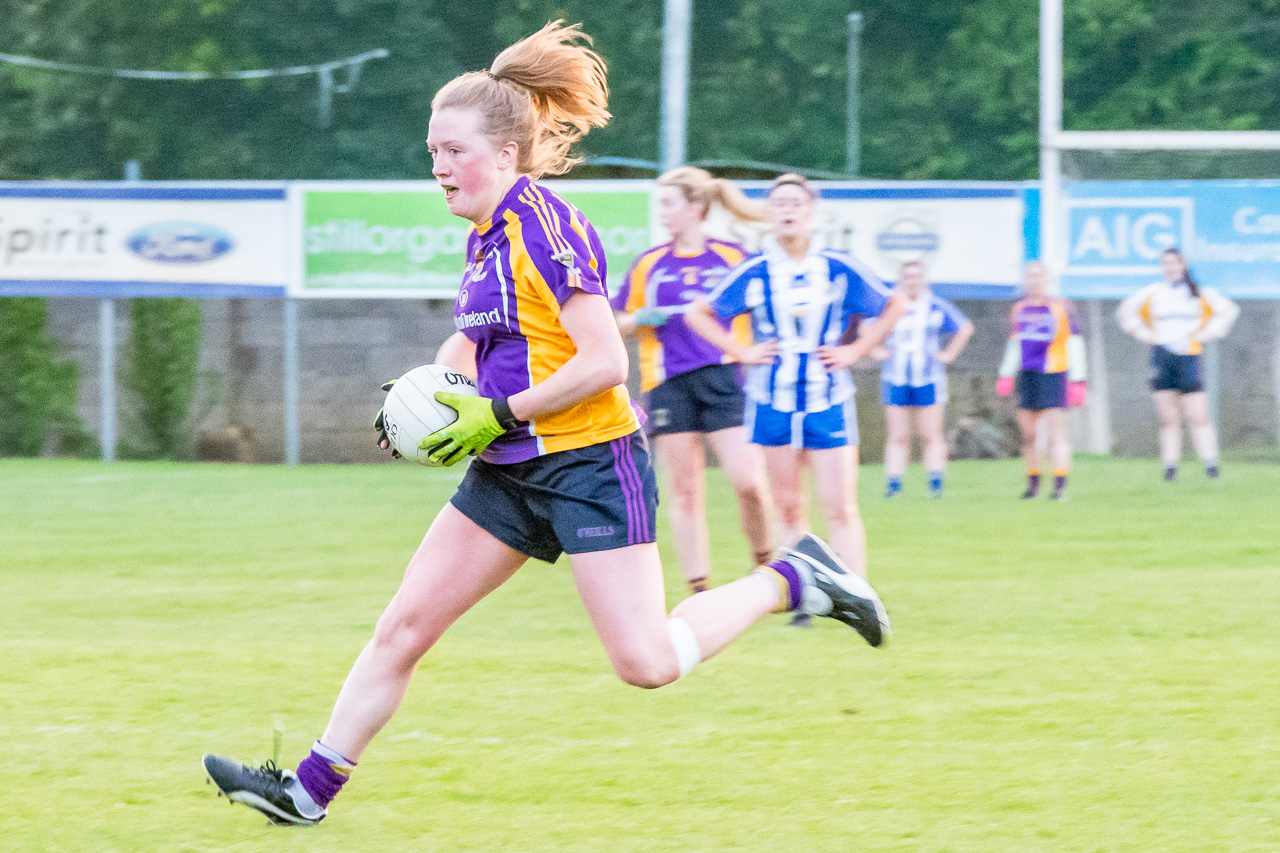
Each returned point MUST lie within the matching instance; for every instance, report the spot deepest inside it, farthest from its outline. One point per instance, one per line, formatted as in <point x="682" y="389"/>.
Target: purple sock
<point x="795" y="586"/>
<point x="322" y="778"/>
<point x="1059" y="482"/>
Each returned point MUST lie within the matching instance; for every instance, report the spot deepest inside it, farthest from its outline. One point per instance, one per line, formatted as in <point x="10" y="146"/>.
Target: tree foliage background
<point x="949" y="89"/>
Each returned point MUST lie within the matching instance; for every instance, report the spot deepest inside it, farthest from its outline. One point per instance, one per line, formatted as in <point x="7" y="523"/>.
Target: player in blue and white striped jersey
<point x="804" y="302"/>
<point x="914" y="377"/>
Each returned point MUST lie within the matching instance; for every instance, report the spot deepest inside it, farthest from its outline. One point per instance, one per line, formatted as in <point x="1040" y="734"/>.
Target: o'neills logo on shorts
<point x="476" y="318"/>
<point x="592" y="532"/>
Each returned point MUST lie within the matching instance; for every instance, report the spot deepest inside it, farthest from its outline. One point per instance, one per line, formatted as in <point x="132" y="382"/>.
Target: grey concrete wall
<point x="349" y="347"/>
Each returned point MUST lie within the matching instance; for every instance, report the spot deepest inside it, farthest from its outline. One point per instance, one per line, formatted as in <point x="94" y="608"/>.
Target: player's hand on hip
<point x="835" y="358"/>
<point x="761" y="353"/>
<point x="474" y="430"/>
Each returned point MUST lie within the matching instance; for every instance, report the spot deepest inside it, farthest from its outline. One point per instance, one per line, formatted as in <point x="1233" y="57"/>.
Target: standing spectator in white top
<point x="914" y="377"/>
<point x="1176" y="316"/>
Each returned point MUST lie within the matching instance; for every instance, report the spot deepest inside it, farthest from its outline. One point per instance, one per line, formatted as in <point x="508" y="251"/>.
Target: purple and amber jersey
<point x="522" y="265"/>
<point x="662" y="279"/>
<point x="1042" y="332"/>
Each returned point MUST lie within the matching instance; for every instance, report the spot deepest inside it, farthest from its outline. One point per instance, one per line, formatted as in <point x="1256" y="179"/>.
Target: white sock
<point x="301" y="798"/>
<point x="688" y="650"/>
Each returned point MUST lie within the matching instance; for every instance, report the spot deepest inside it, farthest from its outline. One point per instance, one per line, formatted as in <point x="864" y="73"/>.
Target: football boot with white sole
<point x="833" y="591"/>
<point x="265" y="788"/>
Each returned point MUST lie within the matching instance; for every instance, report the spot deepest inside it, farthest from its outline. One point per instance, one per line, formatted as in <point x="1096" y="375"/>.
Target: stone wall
<point x="347" y="348"/>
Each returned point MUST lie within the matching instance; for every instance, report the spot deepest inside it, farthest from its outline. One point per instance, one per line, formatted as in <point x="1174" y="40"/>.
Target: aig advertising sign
<point x="142" y="240"/>
<point x="391" y="239"/>
<point x="1116" y="230"/>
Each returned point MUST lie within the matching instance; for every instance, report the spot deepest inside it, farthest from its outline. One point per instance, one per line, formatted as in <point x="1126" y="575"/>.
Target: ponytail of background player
<point x="1046" y="354"/>
<point x="1177" y="316"/>
<point x="694" y="391"/>
<point x="914" y="377"/>
<point x="562" y="464"/>
<point x="802" y="300"/>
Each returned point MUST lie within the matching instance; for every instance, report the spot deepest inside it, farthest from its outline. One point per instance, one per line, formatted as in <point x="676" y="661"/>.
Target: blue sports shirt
<point x="802" y="305"/>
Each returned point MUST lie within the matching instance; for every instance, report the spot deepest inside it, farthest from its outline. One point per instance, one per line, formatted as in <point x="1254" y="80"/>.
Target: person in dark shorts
<point x="693" y="391"/>
<point x="1176" y="316"/>
<point x="1046" y="354"/>
<point x="562" y="465"/>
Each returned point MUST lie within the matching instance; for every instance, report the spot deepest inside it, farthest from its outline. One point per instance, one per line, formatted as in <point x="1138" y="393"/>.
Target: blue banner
<point x="1116" y="230"/>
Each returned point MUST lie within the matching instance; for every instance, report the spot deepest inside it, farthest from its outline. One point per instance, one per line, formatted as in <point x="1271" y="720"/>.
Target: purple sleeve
<point x="623" y="292"/>
<point x="567" y="262"/>
<point x="1073" y="321"/>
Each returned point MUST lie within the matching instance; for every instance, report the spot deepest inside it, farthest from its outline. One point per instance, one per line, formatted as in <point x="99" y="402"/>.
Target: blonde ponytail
<point x="544" y="93"/>
<point x="699" y="187"/>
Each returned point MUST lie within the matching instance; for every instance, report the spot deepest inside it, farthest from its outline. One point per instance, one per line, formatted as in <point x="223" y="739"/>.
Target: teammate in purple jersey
<point x="557" y="482"/>
<point x="693" y="390"/>
<point x="1046" y="355"/>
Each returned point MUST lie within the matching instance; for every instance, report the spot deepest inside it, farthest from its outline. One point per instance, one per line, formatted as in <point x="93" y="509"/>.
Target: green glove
<point x="649" y="316"/>
<point x="480" y="421"/>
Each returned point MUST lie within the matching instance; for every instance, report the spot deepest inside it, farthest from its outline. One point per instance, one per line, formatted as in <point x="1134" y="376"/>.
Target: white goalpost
<point x="1053" y="226"/>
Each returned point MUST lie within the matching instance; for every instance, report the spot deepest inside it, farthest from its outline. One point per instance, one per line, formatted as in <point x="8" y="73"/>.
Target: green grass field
<point x="1099" y="675"/>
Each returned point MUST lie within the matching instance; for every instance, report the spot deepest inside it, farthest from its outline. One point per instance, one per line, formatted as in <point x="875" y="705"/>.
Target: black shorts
<point x="1173" y="372"/>
<point x="707" y="399"/>
<point x="595" y="498"/>
<point x="1039" y="391"/>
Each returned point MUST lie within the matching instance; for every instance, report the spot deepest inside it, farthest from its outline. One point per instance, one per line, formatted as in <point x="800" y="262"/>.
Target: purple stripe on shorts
<point x="639" y="485"/>
<point x="620" y="472"/>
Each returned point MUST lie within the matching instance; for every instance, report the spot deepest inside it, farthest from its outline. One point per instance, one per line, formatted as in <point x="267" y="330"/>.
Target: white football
<point x="411" y="412"/>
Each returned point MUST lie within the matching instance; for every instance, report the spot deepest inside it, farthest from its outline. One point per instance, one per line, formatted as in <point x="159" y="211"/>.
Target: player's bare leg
<point x="1167" y="410"/>
<point x="682" y="457"/>
<point x="897" y="447"/>
<point x="784" y="467"/>
<point x="1204" y="436"/>
<point x="457" y="565"/>
<point x="743" y="465"/>
<point x="835" y="477"/>
<point x="1029" y="427"/>
<point x="929" y="421"/>
<point x="1059" y="450"/>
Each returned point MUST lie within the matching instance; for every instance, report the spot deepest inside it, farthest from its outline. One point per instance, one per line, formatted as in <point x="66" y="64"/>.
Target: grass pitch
<point x="1099" y="675"/>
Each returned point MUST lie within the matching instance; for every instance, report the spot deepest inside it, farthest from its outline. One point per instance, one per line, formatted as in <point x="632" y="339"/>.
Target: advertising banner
<point x="970" y="237"/>
<point x="1116" y="230"/>
<point x="142" y="240"/>
<point x="398" y="240"/>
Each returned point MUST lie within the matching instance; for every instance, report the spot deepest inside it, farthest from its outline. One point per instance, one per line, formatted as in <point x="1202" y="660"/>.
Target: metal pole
<point x="677" y="21"/>
<point x="291" y="437"/>
<point x="107" y="377"/>
<point x="107" y="354"/>
<point x="1050" y="126"/>
<point x="852" y="136"/>
<point x="1212" y="385"/>
<point x="1099" y="407"/>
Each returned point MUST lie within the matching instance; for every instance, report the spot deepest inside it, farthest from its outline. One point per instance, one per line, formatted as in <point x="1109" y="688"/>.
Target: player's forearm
<point x="958" y="342"/>
<point x="458" y="352"/>
<point x="580" y="378"/>
<point x="700" y="318"/>
<point x="878" y="332"/>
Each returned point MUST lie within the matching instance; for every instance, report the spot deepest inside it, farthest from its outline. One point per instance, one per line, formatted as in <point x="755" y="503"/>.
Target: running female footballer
<point x="562" y="465"/>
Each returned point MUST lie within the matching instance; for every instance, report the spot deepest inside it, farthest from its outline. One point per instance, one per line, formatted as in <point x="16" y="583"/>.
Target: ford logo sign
<point x="179" y="242"/>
